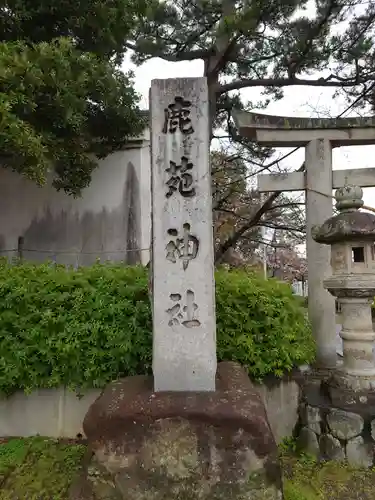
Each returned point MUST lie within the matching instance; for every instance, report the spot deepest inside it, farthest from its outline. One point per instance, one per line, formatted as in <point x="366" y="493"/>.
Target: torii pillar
<point x="318" y="136"/>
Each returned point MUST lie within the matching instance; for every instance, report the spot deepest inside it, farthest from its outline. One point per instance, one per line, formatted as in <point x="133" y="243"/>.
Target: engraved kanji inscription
<point x="180" y="178"/>
<point x="183" y="314"/>
<point x="184" y="248"/>
<point x="177" y="116"/>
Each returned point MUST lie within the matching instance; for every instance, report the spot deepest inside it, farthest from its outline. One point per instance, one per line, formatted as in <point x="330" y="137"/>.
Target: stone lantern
<point x="351" y="235"/>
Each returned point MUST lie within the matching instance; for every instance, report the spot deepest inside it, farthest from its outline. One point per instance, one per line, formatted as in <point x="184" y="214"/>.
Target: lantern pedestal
<point x="355" y="294"/>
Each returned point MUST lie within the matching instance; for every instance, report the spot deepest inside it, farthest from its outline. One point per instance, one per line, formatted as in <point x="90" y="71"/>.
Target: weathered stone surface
<point x="347" y="226"/>
<point x="318" y="208"/>
<point x="184" y="347"/>
<point x="295" y="181"/>
<point x="81" y="489"/>
<point x="250" y="120"/>
<point x="157" y="446"/>
<point x="308" y="441"/>
<point x="311" y="418"/>
<point x="359" y="453"/>
<point x="102" y="484"/>
<point x="281" y="402"/>
<point x="344" y="425"/>
<point x="351" y="236"/>
<point x="331" y="448"/>
<point x="341" y="396"/>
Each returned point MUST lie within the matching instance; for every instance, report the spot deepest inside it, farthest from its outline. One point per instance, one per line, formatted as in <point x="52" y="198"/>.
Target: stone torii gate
<point x="318" y="136"/>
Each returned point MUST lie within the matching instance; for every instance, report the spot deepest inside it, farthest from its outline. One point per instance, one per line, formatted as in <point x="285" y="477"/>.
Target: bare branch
<point x="254" y="221"/>
<point x="284" y="227"/>
<point x="291" y="204"/>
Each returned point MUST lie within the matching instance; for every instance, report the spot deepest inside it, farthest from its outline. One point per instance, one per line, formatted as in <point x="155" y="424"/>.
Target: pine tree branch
<point x="189" y="55"/>
<point x="285" y="82"/>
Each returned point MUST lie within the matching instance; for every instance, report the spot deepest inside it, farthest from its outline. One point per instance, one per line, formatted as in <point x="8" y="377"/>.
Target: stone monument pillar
<point x="190" y="431"/>
<point x="351" y="235"/>
<point x="184" y="348"/>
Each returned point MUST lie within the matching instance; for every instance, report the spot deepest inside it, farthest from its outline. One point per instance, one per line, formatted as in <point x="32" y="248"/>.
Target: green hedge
<point x="82" y="328"/>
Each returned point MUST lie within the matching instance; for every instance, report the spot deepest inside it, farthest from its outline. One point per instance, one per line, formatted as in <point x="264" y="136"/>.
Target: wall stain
<point x="2" y="244"/>
<point x="134" y="216"/>
<point x="80" y="240"/>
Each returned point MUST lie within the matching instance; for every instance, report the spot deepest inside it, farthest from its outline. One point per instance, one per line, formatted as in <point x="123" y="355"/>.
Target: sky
<point x="298" y="101"/>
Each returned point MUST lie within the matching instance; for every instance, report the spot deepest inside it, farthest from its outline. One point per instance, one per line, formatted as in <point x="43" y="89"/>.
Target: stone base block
<point x="341" y="396"/>
<point x="352" y="382"/>
<point x="164" y="446"/>
<point x="338" y="424"/>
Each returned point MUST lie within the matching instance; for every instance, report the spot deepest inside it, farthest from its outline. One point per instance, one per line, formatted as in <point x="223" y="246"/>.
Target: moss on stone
<point x="173" y="450"/>
<point x="307" y="479"/>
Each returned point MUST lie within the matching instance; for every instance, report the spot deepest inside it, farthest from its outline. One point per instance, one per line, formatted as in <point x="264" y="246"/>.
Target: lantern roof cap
<point x="350" y="223"/>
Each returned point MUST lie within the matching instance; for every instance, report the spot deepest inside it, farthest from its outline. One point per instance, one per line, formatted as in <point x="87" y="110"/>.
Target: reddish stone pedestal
<point x="161" y="446"/>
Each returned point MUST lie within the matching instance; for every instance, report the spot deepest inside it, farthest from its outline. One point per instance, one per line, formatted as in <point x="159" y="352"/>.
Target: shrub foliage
<point x="261" y="324"/>
<point x="82" y="328"/>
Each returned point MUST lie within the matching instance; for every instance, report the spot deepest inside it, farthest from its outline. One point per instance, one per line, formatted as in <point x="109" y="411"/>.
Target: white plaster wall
<point x="60" y="413"/>
<point x="97" y="222"/>
<point x="46" y="412"/>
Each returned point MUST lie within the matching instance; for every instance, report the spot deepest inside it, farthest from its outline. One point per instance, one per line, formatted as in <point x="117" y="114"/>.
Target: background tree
<point x="287" y="264"/>
<point x="63" y="101"/>
<point x="270" y="44"/>
<point x="263" y="43"/>
<point x="284" y="261"/>
<point x="235" y="203"/>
